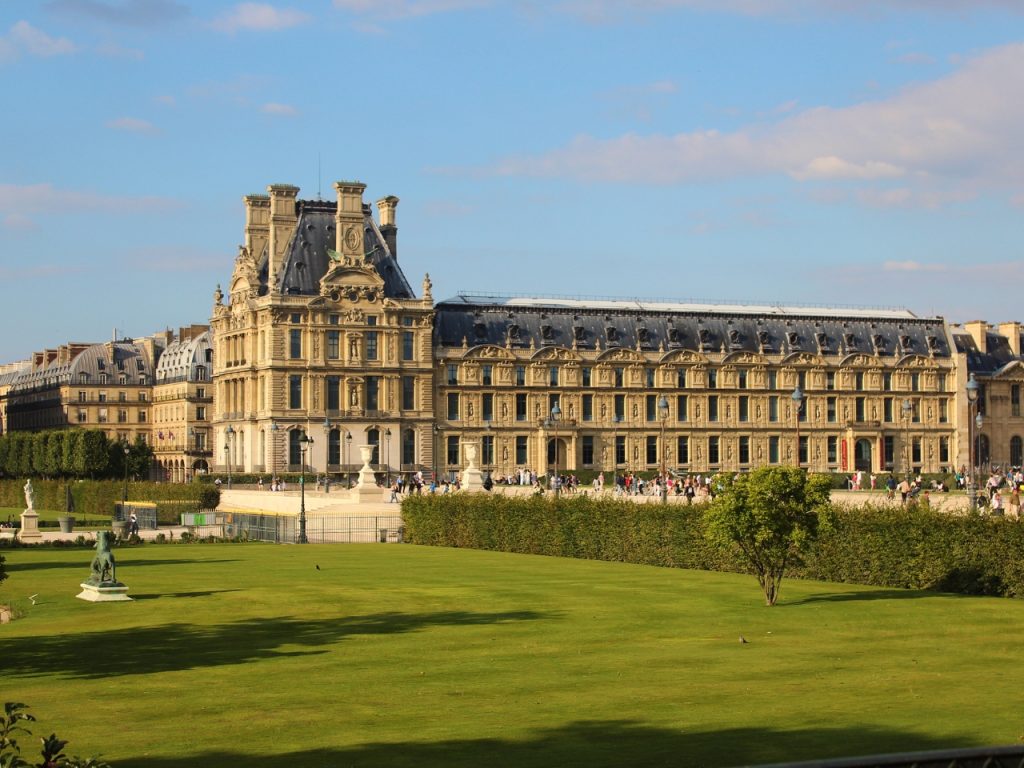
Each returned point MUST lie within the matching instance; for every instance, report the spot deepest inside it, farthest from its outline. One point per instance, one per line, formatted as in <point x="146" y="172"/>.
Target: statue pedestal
<point x="366" y="485"/>
<point x="472" y="478"/>
<point x="29" y="532"/>
<point x="105" y="593"/>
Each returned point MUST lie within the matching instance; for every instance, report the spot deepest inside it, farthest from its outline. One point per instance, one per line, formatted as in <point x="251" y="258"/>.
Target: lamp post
<point x="348" y="451"/>
<point x="433" y="450"/>
<point x="972" y="403"/>
<point x="327" y="449"/>
<point x="616" y="420"/>
<point x="305" y="443"/>
<point x="978" y="421"/>
<point x="227" y="451"/>
<point x="663" y="413"/>
<point x="556" y="414"/>
<point x="387" y="455"/>
<point x="798" y="406"/>
<point x="908" y="410"/>
<point x="273" y="451"/>
<point x="124" y="492"/>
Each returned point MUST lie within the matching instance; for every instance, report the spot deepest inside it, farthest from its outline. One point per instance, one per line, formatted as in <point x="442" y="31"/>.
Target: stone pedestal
<point x="29" y="532"/>
<point x="366" y="485"/>
<point x="104" y="593"/>
<point x="472" y="478"/>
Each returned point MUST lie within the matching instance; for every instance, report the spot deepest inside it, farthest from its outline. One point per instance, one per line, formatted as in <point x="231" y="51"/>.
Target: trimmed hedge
<point x="889" y="546"/>
<point x="96" y="498"/>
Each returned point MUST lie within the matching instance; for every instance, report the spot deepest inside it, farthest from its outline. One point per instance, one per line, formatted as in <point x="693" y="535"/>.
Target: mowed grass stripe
<point x="403" y="655"/>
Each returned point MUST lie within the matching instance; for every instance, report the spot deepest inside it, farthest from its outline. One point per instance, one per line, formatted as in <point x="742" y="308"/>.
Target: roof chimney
<point x="348" y="221"/>
<point x="1012" y="333"/>
<point x="979" y="332"/>
<point x="283" y="220"/>
<point x="386" y="206"/>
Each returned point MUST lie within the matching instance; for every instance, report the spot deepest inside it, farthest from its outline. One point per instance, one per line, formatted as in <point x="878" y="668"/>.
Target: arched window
<point x="1016" y="451"/>
<point x="373" y="438"/>
<point x="334" y="447"/>
<point x="408" y="448"/>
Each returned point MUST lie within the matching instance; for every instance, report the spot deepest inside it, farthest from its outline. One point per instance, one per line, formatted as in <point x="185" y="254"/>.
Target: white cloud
<point x="166" y="100"/>
<point x="406" y="9"/>
<point x="960" y="131"/>
<point x="132" y="125"/>
<point x="24" y="38"/>
<point x="19" y="203"/>
<point x="18" y="222"/>
<point x="259" y="16"/>
<point x="283" y="110"/>
<point x="920" y="59"/>
<point x="912" y="266"/>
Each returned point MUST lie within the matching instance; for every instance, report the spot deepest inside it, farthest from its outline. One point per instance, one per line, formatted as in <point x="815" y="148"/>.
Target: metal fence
<point x="320" y="529"/>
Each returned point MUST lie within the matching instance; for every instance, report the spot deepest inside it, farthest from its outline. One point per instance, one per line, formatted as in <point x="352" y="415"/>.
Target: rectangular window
<point x="915" y="382"/>
<point x="294" y="392"/>
<point x="520" y="449"/>
<point x="744" y="408"/>
<point x="295" y="318"/>
<point x="712" y="407"/>
<point x="620" y="375"/>
<point x="944" y="410"/>
<point x="940" y="382"/>
<point x="682" y="411"/>
<point x="82" y="417"/>
<point x="408" y="345"/>
<point x="620" y="407"/>
<point x="122" y="397"/>
<point x="887" y="409"/>
<point x="652" y="449"/>
<point x="887" y="381"/>
<point x="487" y="407"/>
<point x="487" y="450"/>
<point x="453" y="450"/>
<point x="588" y="407"/>
<point x="81" y="397"/>
<point x="333" y="345"/>
<point x="859" y="408"/>
<point x="620" y="450"/>
<point x="773" y="380"/>
<point x="453" y="375"/>
<point x="744" y="449"/>
<point x="649" y="373"/>
<point x="333" y="393"/>
<point x="1015" y="399"/>
<point x="915" y="413"/>
<point x="553" y="400"/>
<point x="588" y="450"/>
<point x="830" y="380"/>
<point x="200" y="413"/>
<point x="683" y="450"/>
<point x="803" y="450"/>
<point x="982" y="397"/>
<point x="858" y="381"/>
<point x="122" y="416"/>
<point x="453" y="406"/>
<point x="833" y="449"/>
<point x="520" y="376"/>
<point x="408" y="393"/>
<point x="681" y="378"/>
<point x="371" y="345"/>
<point x="773" y="408"/>
<point x="334" y="319"/>
<point x="143" y="398"/>
<point x="520" y="407"/>
<point x="890" y="447"/>
<point x="371" y="320"/>
<point x="801" y="380"/>
<point x="830" y="409"/>
<point x="713" y="450"/>
<point x="651" y="402"/>
<point x="142" y="417"/>
<point x="295" y="343"/>
<point x="487" y="375"/>
<point x="916" y="450"/>
<point x="586" y="376"/>
<point x="712" y="378"/>
<point x="372" y="393"/>
<point x="741" y="378"/>
<point x="553" y="376"/>
<point x="944" y="450"/>
<point x="103" y="397"/>
<point x="773" y="450"/>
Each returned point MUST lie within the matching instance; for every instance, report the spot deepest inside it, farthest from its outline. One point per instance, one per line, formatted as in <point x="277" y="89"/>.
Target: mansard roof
<point x="996" y="356"/>
<point x="703" y="328"/>
<point x="306" y="260"/>
<point x="112" y="358"/>
<point x="181" y="358"/>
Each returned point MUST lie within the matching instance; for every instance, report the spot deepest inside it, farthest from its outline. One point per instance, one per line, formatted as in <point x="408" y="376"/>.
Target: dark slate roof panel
<point x="996" y="355"/>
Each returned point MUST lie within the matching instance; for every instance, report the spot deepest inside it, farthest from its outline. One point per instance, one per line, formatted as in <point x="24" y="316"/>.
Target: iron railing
<point x="320" y="529"/>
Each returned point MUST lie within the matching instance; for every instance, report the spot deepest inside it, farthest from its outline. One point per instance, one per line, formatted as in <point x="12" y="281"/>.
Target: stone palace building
<point x="321" y="345"/>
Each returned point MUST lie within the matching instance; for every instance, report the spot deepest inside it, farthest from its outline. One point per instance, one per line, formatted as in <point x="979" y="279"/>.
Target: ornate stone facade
<point x="183" y="407"/>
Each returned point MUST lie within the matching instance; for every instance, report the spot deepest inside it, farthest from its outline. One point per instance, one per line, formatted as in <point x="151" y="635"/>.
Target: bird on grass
<point x="318" y="567"/>
<point x="33" y="598"/>
<point x="743" y="640"/>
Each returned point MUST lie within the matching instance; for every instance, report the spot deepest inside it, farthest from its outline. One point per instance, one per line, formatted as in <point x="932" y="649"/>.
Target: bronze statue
<point x="102" y="570"/>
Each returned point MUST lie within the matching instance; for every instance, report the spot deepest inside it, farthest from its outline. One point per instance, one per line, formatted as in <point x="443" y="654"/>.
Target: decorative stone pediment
<point x="245" y="279"/>
<point x="744" y="358"/>
<point x="683" y="356"/>
<point x="805" y="358"/>
<point x="352" y="282"/>
<point x="489" y="352"/>
<point x="554" y="353"/>
<point x="621" y="354"/>
<point x="1012" y="371"/>
<point x="858" y="360"/>
<point x="916" y="361"/>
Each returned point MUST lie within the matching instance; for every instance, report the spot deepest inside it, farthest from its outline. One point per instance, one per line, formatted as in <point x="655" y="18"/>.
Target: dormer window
<point x="793" y="339"/>
<point x="673" y="335"/>
<point x="513" y="332"/>
<point x="612" y="333"/>
<point x="906" y="342"/>
<point x="480" y="331"/>
<point x="644" y="335"/>
<point x="546" y="333"/>
<point x="850" y="340"/>
<point x="577" y="332"/>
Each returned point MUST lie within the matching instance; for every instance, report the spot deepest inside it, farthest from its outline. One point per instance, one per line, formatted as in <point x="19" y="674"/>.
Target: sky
<point x="836" y="152"/>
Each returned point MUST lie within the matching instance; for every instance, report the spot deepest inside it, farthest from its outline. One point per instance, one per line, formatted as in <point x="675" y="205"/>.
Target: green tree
<point x="140" y="459"/>
<point x="93" y="455"/>
<point x="54" y="463"/>
<point x="39" y="451"/>
<point x="772" y="515"/>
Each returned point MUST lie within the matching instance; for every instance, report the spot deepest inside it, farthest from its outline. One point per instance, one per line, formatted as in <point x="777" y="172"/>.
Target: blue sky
<point x="852" y="152"/>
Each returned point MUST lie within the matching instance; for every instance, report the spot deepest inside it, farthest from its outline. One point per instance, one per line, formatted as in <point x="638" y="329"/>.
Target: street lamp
<point x="616" y="420"/>
<point x="227" y="451"/>
<point x="798" y="405"/>
<point x="327" y="449"/>
<point x="348" y="449"/>
<point x="663" y="413"/>
<point x="908" y="410"/>
<point x="124" y="492"/>
<point x="305" y="443"/>
<point x="387" y="454"/>
<point x="972" y="403"/>
<point x="433" y="451"/>
<point x="556" y="414"/>
<point x="273" y="450"/>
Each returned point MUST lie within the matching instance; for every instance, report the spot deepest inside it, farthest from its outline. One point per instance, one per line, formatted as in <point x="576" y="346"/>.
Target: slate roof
<point x="113" y="359"/>
<point x="996" y="356"/>
<point x="181" y="358"/>
<point x="697" y="327"/>
<point x="306" y="260"/>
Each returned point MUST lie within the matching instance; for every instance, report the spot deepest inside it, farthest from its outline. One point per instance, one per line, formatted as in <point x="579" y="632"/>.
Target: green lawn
<point x="246" y="655"/>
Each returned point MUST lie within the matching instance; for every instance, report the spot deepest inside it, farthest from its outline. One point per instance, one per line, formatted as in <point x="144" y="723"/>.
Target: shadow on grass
<point x="173" y="647"/>
<point x="848" y="597"/>
<point x="86" y="558"/>
<point x="594" y="745"/>
<point x="198" y="593"/>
